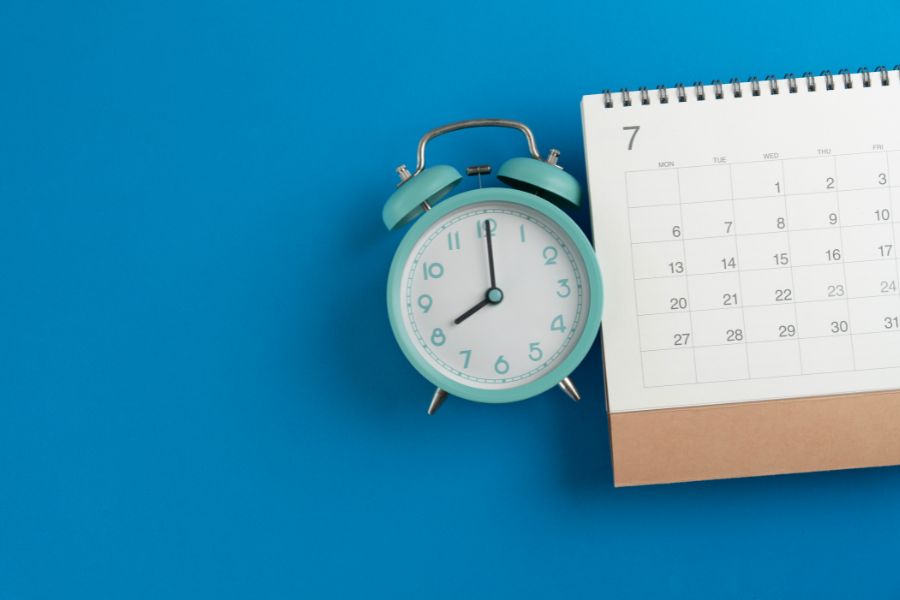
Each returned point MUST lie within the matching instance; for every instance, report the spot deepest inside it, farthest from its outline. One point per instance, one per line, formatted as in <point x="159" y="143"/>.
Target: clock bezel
<point x="554" y="375"/>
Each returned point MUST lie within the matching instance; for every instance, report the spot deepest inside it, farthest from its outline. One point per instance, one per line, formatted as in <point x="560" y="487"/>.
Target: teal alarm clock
<point x="494" y="294"/>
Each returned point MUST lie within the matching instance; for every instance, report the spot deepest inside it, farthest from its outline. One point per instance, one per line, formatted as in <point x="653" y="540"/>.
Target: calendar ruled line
<point x="837" y="300"/>
<point x="887" y="170"/>
<point x="633" y="281"/>
<point x="782" y="376"/>
<point x="786" y="230"/>
<point x="765" y="160"/>
<point x="686" y="285"/>
<point x="737" y="252"/>
<point x="791" y="254"/>
<point x="757" y="269"/>
<point x="788" y="194"/>
<point x="797" y="338"/>
<point x="843" y="263"/>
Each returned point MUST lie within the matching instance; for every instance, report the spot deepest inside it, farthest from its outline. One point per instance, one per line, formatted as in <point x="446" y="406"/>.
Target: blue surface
<point x="199" y="392"/>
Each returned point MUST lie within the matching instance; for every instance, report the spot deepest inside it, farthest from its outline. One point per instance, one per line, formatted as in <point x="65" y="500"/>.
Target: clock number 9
<point x="425" y="302"/>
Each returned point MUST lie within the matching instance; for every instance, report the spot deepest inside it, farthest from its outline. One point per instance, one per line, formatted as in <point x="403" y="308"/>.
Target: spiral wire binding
<point x="772" y="87"/>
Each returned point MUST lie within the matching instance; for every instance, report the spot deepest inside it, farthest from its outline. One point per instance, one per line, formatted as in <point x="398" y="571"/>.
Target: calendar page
<point x="747" y="235"/>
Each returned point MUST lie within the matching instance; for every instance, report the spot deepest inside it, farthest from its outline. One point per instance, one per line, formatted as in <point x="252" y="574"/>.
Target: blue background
<point x="199" y="392"/>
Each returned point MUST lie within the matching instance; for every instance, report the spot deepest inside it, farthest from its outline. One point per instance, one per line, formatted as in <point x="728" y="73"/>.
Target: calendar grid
<point x="721" y="238"/>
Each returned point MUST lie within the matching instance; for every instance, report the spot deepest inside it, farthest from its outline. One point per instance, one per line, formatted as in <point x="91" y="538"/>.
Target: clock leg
<point x="436" y="401"/>
<point x="569" y="388"/>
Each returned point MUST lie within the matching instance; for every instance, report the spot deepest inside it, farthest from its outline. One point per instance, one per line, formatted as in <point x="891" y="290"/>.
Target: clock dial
<point x="494" y="295"/>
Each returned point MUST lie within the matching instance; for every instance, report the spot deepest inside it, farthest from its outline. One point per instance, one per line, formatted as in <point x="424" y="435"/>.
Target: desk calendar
<point x="748" y="236"/>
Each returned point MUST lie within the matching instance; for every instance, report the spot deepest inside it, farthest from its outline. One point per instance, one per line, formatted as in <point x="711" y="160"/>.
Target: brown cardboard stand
<point x="756" y="438"/>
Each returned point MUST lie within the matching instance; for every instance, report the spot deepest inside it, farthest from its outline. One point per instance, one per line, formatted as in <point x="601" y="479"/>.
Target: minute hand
<point x="490" y="251"/>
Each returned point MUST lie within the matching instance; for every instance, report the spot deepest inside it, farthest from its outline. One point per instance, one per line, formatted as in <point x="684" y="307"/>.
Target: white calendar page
<point x="748" y="244"/>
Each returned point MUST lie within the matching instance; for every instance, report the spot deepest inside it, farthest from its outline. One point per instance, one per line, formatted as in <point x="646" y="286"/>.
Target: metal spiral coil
<point x="771" y="86"/>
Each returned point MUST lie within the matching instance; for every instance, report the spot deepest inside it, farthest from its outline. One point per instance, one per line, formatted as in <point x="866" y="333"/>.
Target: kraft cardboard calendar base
<point x="759" y="438"/>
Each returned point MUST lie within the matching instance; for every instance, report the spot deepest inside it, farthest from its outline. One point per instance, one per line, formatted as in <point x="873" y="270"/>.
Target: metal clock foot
<point x="436" y="401"/>
<point x="569" y="388"/>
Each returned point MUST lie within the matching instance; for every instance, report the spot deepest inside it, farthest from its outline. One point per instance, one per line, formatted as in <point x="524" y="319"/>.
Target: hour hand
<point x="492" y="296"/>
<point x="471" y="311"/>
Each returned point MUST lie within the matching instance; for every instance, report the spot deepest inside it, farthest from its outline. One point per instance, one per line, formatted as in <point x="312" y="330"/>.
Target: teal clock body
<point x="495" y="294"/>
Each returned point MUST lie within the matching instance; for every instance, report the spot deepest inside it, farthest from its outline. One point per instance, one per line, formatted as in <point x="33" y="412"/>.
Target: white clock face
<point x="494" y="334"/>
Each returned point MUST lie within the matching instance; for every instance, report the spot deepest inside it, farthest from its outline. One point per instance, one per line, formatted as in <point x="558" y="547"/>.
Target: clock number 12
<point x="491" y="227"/>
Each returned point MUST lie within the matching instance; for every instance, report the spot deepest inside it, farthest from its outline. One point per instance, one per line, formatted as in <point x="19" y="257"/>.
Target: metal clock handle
<point x="469" y="124"/>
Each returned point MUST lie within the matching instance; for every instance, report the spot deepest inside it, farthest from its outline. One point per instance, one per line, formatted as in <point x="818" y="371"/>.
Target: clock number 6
<point x="501" y="366"/>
